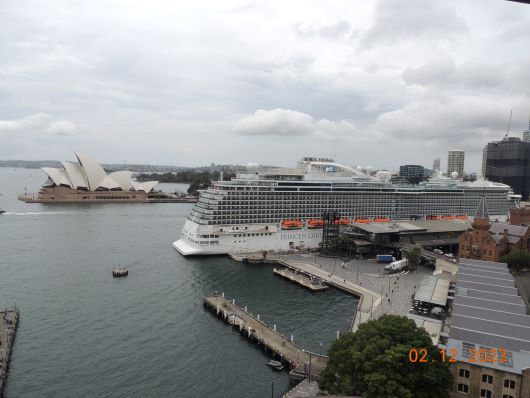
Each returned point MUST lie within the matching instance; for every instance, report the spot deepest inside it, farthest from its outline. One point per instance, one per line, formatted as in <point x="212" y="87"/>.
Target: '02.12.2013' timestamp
<point x="481" y="355"/>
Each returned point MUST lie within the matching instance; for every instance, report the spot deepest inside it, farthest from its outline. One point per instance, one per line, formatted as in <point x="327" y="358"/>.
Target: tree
<point x="374" y="362"/>
<point x="517" y="259"/>
<point x="413" y="257"/>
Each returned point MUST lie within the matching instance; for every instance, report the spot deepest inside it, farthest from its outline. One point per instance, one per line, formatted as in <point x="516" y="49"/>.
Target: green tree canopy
<point x="413" y="256"/>
<point x="374" y="362"/>
<point x="517" y="259"/>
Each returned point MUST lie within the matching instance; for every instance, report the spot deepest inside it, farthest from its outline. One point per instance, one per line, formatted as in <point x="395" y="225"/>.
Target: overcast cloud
<point x="371" y="82"/>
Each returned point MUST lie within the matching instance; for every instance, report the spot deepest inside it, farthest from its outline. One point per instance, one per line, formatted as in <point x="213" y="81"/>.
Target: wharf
<point x="368" y="300"/>
<point x="8" y="329"/>
<point x="307" y="281"/>
<point x="303" y="364"/>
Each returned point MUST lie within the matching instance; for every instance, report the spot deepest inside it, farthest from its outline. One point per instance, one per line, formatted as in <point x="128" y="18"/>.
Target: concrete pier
<point x="302" y="364"/>
<point x="307" y="281"/>
<point x="8" y="328"/>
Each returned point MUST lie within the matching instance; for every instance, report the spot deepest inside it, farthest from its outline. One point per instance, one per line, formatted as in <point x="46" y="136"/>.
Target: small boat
<point x="292" y="224"/>
<point x="342" y="221"/>
<point x="363" y="220"/>
<point x="315" y="223"/>
<point x="2" y="211"/>
<point x="119" y="272"/>
<point x="275" y="365"/>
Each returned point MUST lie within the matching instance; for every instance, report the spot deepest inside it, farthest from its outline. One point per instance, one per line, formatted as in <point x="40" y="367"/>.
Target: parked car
<point x="450" y="255"/>
<point x="438" y="251"/>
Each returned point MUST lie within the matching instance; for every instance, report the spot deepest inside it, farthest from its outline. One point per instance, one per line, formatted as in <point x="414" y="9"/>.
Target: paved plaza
<point x="396" y="289"/>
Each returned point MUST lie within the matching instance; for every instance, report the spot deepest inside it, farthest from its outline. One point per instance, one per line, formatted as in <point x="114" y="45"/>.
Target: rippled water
<point x="85" y="334"/>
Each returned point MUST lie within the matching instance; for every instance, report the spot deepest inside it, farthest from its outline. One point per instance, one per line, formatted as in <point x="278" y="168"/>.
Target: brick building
<point x="490" y="241"/>
<point x="520" y="216"/>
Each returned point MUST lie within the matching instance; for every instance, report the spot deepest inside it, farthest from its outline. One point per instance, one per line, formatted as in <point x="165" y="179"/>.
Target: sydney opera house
<point x="87" y="182"/>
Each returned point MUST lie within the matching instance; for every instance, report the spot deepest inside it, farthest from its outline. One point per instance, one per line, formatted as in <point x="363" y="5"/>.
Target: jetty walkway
<point x="8" y="328"/>
<point x="303" y="364"/>
<point x="309" y="282"/>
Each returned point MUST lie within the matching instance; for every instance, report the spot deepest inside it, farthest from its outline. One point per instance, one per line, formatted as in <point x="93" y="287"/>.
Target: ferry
<point x="281" y="209"/>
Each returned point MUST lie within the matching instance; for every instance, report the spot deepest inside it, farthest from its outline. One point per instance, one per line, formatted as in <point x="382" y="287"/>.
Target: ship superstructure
<point x="281" y="209"/>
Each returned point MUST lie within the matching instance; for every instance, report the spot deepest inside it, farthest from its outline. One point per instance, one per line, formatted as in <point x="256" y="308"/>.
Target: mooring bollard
<point x="223" y="294"/>
<point x="245" y="308"/>
<point x="274" y="327"/>
<point x="258" y="317"/>
<point x="292" y="338"/>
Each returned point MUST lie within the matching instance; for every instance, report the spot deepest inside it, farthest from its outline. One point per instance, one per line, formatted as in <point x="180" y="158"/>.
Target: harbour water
<point x="83" y="333"/>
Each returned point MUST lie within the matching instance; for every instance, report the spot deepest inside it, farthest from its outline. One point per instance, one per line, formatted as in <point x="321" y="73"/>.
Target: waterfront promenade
<point x="8" y="329"/>
<point x="378" y="293"/>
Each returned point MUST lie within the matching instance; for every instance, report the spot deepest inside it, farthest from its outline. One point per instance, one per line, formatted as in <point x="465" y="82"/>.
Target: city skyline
<point x="163" y="83"/>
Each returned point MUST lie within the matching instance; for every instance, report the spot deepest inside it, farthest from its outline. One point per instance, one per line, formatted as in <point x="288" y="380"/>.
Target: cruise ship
<point x="281" y="209"/>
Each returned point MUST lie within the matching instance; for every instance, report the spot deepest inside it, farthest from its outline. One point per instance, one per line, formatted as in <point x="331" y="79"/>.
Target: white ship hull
<point x="210" y="240"/>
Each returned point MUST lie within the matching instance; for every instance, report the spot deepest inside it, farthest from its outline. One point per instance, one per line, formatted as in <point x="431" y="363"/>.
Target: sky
<point x="367" y="82"/>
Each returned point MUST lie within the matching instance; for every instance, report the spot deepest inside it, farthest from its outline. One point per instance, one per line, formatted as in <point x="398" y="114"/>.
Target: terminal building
<point x="489" y="333"/>
<point x="381" y="237"/>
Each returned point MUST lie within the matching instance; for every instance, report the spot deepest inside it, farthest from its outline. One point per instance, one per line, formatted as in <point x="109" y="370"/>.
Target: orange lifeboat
<point x="448" y="217"/>
<point x="342" y="221"/>
<point x="363" y="220"/>
<point x="462" y="217"/>
<point x="315" y="223"/>
<point x="382" y="219"/>
<point x="292" y="224"/>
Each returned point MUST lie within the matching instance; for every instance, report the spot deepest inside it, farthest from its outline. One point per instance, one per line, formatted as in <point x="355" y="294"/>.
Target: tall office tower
<point x="484" y="160"/>
<point x="413" y="173"/>
<point x="436" y="164"/>
<point x="508" y="162"/>
<point x="455" y="162"/>
<point x="526" y="133"/>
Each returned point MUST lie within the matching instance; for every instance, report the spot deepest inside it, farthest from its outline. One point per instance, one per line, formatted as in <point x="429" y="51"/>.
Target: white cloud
<point x="63" y="127"/>
<point x="289" y="123"/>
<point x="397" y="20"/>
<point x="334" y="30"/>
<point x="458" y="120"/>
<point x="39" y="123"/>
<point x="406" y="72"/>
<point x="35" y="120"/>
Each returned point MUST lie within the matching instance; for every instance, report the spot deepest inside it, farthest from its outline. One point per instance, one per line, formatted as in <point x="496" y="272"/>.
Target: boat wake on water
<point x="39" y="213"/>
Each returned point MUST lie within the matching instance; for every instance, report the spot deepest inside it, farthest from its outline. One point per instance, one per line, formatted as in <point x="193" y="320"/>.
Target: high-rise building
<point x="436" y="164"/>
<point x="526" y="133"/>
<point x="413" y="173"/>
<point x="484" y="159"/>
<point x="455" y="162"/>
<point x="508" y="161"/>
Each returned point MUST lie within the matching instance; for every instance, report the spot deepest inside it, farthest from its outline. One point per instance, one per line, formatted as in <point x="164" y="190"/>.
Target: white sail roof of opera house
<point x="88" y="174"/>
